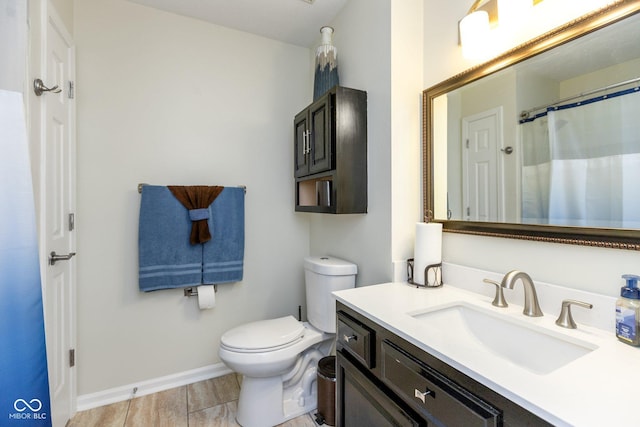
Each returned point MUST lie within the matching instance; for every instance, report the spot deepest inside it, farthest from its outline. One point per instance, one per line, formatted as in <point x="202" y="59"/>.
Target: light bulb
<point x="474" y="35"/>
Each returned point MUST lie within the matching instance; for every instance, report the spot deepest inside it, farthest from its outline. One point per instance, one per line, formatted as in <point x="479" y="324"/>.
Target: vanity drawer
<point x="357" y="339"/>
<point x="434" y="395"/>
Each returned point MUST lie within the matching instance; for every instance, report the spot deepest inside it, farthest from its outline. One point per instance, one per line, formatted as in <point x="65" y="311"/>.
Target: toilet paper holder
<point x="193" y="292"/>
<point x="432" y="275"/>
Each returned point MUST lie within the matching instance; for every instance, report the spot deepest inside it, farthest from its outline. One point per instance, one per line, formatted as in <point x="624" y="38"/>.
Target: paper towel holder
<point x="193" y="292"/>
<point x="428" y="216"/>
<point x="434" y="269"/>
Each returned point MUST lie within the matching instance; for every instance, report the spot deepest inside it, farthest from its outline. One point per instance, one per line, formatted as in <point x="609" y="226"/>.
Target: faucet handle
<point x="498" y="300"/>
<point x="566" y="319"/>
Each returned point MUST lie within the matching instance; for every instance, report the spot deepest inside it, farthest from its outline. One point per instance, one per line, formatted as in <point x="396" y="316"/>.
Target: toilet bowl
<point x="268" y="347"/>
<point x="278" y="357"/>
<point x="278" y="380"/>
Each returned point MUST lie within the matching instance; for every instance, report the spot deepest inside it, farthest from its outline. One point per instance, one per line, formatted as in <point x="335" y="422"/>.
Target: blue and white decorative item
<point x="24" y="383"/>
<point x="326" y="75"/>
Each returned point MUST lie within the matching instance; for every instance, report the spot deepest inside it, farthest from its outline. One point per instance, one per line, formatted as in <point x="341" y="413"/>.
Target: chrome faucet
<point x="531" y="306"/>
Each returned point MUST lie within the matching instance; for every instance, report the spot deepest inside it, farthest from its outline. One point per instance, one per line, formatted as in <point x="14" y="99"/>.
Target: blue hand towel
<point x="166" y="258"/>
<point x="223" y="255"/>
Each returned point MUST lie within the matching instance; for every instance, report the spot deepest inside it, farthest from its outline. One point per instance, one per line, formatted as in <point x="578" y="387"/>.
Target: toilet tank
<point x="324" y="275"/>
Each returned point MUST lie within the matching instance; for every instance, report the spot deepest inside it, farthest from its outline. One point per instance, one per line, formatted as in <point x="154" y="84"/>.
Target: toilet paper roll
<point x="427" y="249"/>
<point x="206" y="297"/>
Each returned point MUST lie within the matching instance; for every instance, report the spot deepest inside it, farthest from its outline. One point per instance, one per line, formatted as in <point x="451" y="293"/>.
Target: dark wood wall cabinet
<point x="330" y="153"/>
<point x="383" y="380"/>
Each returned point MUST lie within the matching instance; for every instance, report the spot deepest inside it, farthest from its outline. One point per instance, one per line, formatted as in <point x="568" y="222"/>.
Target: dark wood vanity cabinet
<point x="383" y="380"/>
<point x="330" y="153"/>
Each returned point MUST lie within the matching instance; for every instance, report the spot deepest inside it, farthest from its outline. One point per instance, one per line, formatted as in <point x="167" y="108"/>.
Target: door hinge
<point x="71" y="90"/>
<point x="72" y="221"/>
<point x="467" y="143"/>
<point x="468" y="211"/>
<point x="72" y="357"/>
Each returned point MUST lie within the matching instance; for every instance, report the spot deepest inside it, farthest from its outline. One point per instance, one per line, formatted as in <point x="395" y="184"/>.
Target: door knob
<point x="507" y="150"/>
<point x="39" y="88"/>
<point x="53" y="257"/>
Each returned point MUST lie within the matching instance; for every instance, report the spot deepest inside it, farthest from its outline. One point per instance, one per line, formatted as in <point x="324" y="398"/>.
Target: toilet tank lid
<point x="330" y="266"/>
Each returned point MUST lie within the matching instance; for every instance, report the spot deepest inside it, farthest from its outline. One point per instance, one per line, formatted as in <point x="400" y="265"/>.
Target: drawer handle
<point x="421" y="395"/>
<point x="348" y="338"/>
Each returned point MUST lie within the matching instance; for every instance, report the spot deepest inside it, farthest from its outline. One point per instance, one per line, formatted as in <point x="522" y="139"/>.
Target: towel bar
<point x="142" y="184"/>
<point x="193" y="292"/>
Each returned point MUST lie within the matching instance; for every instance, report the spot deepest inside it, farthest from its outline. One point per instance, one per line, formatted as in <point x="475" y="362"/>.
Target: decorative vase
<point x="326" y="73"/>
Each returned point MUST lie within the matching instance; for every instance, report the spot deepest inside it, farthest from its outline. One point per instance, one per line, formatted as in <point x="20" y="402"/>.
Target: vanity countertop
<point x="596" y="389"/>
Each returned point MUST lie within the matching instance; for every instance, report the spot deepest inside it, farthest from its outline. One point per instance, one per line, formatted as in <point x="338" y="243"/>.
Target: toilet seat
<point x="264" y="335"/>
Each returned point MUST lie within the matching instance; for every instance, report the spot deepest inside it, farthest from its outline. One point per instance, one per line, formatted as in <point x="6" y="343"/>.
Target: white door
<point x="481" y="181"/>
<point x="53" y="122"/>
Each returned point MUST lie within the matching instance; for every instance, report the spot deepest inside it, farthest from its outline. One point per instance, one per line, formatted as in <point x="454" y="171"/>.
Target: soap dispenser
<point x="628" y="311"/>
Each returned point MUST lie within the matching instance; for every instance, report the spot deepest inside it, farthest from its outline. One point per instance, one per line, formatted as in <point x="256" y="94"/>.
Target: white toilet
<point x="278" y="357"/>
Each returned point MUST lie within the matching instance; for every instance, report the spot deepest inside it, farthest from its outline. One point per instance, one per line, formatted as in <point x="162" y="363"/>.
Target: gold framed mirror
<point x="450" y="178"/>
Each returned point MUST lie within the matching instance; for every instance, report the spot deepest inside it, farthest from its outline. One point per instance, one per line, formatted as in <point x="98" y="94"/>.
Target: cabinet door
<point x="362" y="403"/>
<point x="301" y="144"/>
<point x="320" y="126"/>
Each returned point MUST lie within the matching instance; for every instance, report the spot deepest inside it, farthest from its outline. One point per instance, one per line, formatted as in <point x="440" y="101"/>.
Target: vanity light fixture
<point x="476" y="30"/>
<point x="475" y="27"/>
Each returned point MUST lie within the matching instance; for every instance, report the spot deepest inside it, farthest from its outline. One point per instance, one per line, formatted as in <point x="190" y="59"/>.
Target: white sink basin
<point x="466" y="331"/>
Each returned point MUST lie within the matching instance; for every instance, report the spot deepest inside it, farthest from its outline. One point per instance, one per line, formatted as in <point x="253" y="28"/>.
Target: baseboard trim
<point x="125" y="392"/>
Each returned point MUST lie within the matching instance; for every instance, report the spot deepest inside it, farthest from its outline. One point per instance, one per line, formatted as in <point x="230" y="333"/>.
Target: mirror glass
<point x="543" y="142"/>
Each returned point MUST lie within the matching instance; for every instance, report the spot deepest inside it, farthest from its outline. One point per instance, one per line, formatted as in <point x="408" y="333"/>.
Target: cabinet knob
<point x="348" y="338"/>
<point x="422" y="394"/>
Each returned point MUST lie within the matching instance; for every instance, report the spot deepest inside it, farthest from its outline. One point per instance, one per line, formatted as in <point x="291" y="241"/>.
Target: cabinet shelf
<point x="330" y="152"/>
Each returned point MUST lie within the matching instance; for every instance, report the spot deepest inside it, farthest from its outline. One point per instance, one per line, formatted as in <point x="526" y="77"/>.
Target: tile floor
<point x="210" y="403"/>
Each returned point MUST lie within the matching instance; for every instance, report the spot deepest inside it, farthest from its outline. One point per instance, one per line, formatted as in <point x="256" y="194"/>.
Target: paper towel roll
<point x="427" y="249"/>
<point x="206" y="296"/>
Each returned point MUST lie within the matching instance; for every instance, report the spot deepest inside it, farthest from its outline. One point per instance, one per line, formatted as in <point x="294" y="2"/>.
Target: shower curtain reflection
<point x="581" y="163"/>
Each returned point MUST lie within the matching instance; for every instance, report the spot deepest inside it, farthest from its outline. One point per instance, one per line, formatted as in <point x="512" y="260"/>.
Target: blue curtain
<point x="24" y="384"/>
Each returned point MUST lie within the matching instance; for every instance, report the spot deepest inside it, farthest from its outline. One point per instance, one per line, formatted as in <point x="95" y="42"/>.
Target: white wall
<point x="164" y="99"/>
<point x="600" y="78"/>
<point x="362" y="36"/>
<point x="380" y="51"/>
<point x="407" y="60"/>
<point x="592" y="269"/>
